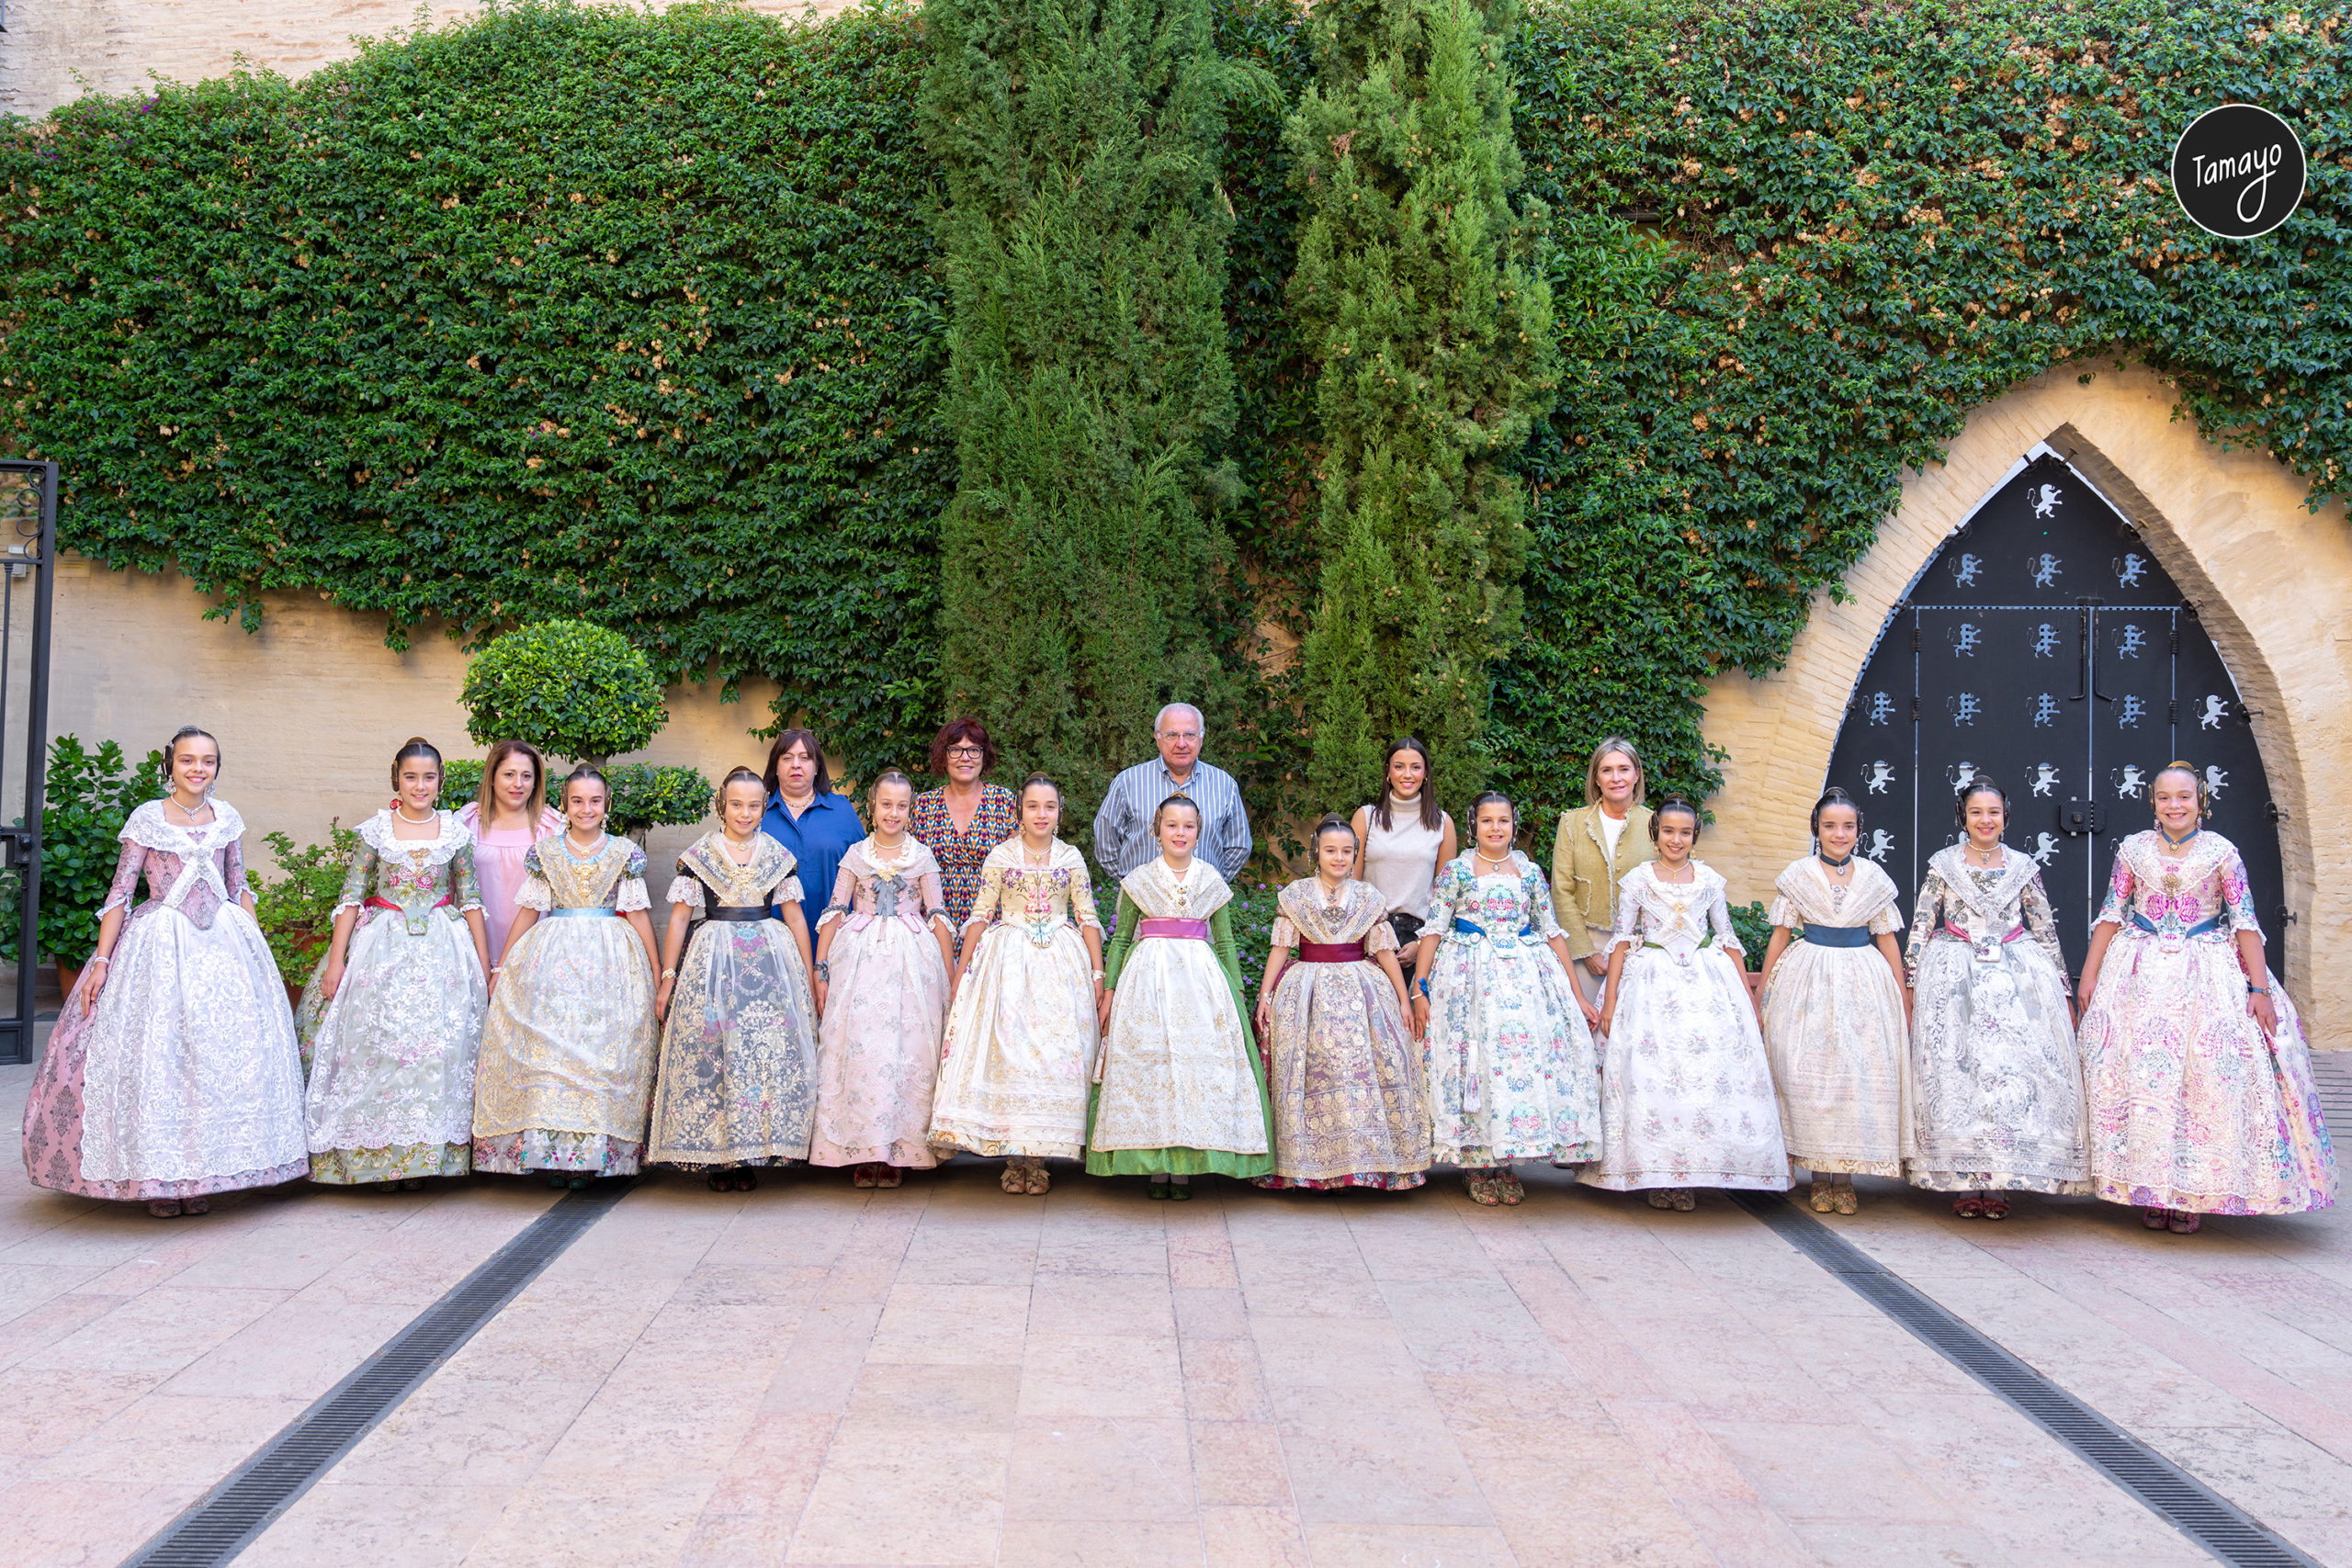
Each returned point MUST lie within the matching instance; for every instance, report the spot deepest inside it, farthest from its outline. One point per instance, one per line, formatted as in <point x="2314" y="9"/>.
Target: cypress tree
<point x="1414" y="291"/>
<point x="1084" y="248"/>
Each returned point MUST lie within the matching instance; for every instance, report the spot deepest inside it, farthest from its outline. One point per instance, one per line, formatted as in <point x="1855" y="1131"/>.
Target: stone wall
<point x="309" y="709"/>
<point x="2272" y="580"/>
<point x="54" y="50"/>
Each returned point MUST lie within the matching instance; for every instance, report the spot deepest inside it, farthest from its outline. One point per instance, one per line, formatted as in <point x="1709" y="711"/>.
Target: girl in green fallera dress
<point x="1180" y="1090"/>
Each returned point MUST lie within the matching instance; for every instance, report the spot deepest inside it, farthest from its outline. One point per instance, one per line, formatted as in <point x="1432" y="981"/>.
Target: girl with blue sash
<point x="1507" y="1040"/>
<point x="1686" y="1094"/>
<point x="2199" y="1079"/>
<point x="1834" y="1025"/>
<point x="568" y="1054"/>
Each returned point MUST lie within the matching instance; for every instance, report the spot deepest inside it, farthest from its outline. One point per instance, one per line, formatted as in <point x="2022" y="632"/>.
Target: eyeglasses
<point x="969" y="752"/>
<point x="1179" y="735"/>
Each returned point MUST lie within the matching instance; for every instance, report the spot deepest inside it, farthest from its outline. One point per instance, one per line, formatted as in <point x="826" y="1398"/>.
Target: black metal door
<point x="28" y="553"/>
<point x="2043" y="646"/>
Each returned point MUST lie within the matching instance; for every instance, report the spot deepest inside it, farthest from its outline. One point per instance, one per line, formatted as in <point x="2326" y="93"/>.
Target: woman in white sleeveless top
<point x="1405" y="840"/>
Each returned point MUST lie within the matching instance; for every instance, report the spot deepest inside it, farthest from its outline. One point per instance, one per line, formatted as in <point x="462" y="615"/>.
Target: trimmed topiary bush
<point x="569" y="688"/>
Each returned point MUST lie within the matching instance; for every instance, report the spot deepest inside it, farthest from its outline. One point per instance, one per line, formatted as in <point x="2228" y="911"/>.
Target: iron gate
<point x="2042" y="645"/>
<point x="28" y="554"/>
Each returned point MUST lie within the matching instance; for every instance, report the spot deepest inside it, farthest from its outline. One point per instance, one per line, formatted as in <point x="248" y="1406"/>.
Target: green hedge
<point x="562" y="312"/>
<point x="1793" y="245"/>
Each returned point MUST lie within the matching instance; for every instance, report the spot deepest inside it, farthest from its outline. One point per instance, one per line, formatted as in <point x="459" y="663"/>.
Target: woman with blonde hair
<point x="1592" y="853"/>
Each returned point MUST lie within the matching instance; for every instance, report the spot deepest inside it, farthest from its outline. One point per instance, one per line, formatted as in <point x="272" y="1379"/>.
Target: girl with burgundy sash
<point x="391" y="1020"/>
<point x="1179" y="1091"/>
<point x="1341" y="1067"/>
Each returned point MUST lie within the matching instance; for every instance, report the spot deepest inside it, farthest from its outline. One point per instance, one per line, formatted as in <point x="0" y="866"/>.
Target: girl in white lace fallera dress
<point x="1686" y="1091"/>
<point x="173" y="1072"/>
<point x="1834" y="1025"/>
<point x="1507" y="1048"/>
<point x="884" y="948"/>
<point x="391" y="1020"/>
<point x="1995" y="1103"/>
<point x="1026" y="1023"/>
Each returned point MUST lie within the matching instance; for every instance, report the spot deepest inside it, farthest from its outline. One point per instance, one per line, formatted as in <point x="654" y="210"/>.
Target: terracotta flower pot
<point x="68" y="978"/>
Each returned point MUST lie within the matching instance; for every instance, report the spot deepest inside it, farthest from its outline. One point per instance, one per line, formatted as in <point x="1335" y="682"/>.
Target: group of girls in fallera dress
<point x="494" y="996"/>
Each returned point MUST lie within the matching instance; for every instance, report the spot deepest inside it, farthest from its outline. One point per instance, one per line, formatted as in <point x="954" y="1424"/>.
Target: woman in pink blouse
<point x="506" y="818"/>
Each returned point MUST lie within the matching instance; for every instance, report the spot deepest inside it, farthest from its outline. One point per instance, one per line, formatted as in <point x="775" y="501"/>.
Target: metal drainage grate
<point x="2179" y="1498"/>
<point x="225" y="1520"/>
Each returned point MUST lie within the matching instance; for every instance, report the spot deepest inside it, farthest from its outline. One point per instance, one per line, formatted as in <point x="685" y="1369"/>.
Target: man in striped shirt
<point x="1123" y="828"/>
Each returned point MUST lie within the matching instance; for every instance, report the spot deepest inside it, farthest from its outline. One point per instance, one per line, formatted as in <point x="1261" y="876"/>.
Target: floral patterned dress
<point x="1686" y="1090"/>
<point x="187" y="1079"/>
<point x="2190" y="1107"/>
<point x="568" y="1054"/>
<point x="392" y="1057"/>
<point x="877" y="1046"/>
<point x="963" y="857"/>
<point x="1834" y="1028"/>
<point x="1996" y="1087"/>
<point x="1179" y="1088"/>
<point x="738" y="1083"/>
<point x="1343" y="1070"/>
<point x="1507" y="1059"/>
<point x="1021" y="1042"/>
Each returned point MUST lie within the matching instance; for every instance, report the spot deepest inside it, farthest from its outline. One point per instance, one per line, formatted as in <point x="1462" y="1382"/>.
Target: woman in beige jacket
<point x="1597" y="845"/>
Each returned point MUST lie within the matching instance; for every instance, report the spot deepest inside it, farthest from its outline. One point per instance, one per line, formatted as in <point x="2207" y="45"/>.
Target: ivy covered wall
<point x="635" y="317"/>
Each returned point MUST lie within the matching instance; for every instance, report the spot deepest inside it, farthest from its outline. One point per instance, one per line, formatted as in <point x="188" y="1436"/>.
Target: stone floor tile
<point x="1322" y="1351"/>
<point x="949" y="1398"/>
<point x="1081" y="1468"/>
<point x="1115" y="1376"/>
<point x="976" y="1325"/>
<point x="1339" y="1545"/>
<point x="890" y="1495"/>
<point x="1071" y="1543"/>
<point x="189" y="1441"/>
<point x="1358" y="1460"/>
<point x="1810" y="1473"/>
<point x="381" y="1525"/>
<point x="1240" y="1464"/>
<point x="82" y="1524"/>
<point x="1260" y="1538"/>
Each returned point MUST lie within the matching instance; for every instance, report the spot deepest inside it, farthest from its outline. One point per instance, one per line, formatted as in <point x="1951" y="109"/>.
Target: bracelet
<point x="668" y="973"/>
<point x="1098" y="976"/>
<point x="2258" y="990"/>
<point x="824" y="970"/>
<point x="100" y="958"/>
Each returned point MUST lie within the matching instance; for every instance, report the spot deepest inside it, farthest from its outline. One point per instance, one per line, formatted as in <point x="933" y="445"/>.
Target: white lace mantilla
<point x="195" y="846"/>
<point x="379" y="833"/>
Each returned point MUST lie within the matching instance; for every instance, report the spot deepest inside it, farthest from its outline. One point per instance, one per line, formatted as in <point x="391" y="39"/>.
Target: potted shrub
<point x="295" y="911"/>
<point x="86" y="798"/>
<point x="583" y="691"/>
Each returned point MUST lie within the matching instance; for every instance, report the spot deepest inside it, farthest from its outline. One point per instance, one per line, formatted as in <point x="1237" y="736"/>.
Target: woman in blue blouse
<point x="806" y="816"/>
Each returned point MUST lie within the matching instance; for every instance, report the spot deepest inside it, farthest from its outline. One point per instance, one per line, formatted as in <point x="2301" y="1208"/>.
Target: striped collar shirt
<point x="1123" y="828"/>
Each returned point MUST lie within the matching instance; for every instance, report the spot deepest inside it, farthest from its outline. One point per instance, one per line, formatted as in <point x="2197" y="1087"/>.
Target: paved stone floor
<point x="946" y="1375"/>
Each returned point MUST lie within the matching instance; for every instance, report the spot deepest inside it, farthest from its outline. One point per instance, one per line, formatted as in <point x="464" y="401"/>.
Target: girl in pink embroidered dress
<point x="173" y="1073"/>
<point x="2194" y="1062"/>
<point x="883" y="948"/>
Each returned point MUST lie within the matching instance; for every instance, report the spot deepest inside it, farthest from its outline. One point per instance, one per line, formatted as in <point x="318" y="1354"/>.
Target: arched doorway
<point x="2044" y="645"/>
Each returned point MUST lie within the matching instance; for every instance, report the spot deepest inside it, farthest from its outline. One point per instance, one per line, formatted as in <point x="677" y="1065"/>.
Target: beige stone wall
<point x="2272" y="580"/>
<point x="309" y="709"/>
<point x="54" y="50"/>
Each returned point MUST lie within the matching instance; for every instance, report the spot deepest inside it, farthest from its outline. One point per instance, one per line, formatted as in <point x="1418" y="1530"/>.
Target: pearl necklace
<point x="399" y="810"/>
